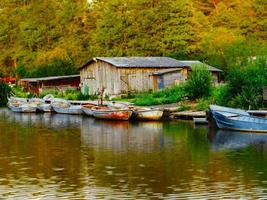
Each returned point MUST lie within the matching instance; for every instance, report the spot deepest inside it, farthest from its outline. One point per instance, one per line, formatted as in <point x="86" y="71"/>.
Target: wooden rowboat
<point x="64" y="107"/>
<point x="147" y="114"/>
<point x="111" y="114"/>
<point x="41" y="104"/>
<point x="72" y="109"/>
<point x="22" y="107"/>
<point x="236" y="120"/>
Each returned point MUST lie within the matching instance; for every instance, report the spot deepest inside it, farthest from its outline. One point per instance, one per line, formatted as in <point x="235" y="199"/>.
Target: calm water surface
<point x="52" y="156"/>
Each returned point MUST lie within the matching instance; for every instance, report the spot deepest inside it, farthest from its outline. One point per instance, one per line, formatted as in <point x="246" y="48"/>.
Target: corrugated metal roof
<point x="164" y="71"/>
<point x="160" y="62"/>
<point x="138" y="61"/>
<point x="49" y="78"/>
<point x="191" y="63"/>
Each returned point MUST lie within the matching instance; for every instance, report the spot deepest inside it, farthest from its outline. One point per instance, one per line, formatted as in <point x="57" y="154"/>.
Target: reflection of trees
<point x="87" y="156"/>
<point x="32" y="153"/>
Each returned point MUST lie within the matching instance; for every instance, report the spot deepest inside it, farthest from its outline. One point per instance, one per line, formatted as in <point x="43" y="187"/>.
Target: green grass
<point x="166" y="96"/>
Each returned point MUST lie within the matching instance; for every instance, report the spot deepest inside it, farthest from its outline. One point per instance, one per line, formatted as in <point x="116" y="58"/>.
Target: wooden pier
<point x="189" y="114"/>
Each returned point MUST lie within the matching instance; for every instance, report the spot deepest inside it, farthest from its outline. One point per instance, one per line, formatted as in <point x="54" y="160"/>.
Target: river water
<point x="53" y="156"/>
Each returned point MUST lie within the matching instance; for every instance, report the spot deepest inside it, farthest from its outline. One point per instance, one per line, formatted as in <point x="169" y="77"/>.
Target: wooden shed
<point x="35" y="85"/>
<point x="123" y="74"/>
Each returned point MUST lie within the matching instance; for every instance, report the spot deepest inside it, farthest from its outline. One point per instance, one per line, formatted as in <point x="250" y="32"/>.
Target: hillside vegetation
<point x="36" y="33"/>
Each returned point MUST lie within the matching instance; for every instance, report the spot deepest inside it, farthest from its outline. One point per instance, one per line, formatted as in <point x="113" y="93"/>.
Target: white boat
<point x="22" y="107"/>
<point x="64" y="107"/>
<point x="147" y="113"/>
<point x="48" y="98"/>
<point x="17" y="100"/>
<point x="41" y="104"/>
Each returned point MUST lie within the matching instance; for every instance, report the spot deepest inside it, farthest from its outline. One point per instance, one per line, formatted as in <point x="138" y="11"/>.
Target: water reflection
<point x="121" y="135"/>
<point x="52" y="156"/>
<point x="225" y="139"/>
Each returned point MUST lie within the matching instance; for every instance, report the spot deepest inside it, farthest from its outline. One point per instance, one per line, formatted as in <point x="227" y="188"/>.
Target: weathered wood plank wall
<point x="116" y="80"/>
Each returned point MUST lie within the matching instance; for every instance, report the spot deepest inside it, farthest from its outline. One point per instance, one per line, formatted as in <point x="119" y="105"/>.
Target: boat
<point x="238" y="120"/>
<point x="147" y="113"/>
<point x="101" y="112"/>
<point x="41" y="104"/>
<point x="48" y="98"/>
<point x="227" y="109"/>
<point x="64" y="107"/>
<point x="87" y="109"/>
<point x="22" y="107"/>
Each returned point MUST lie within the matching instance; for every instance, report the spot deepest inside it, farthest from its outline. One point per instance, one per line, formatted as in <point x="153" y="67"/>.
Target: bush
<point x="4" y="93"/>
<point x="245" y="85"/>
<point x="199" y="83"/>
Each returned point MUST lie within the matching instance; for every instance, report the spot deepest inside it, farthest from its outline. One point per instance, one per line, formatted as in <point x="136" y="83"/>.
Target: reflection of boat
<point x="200" y="120"/>
<point x="112" y="114"/>
<point x="147" y="114"/>
<point x="225" y="139"/>
<point x="64" y="107"/>
<point x="122" y="135"/>
<point x="236" y="119"/>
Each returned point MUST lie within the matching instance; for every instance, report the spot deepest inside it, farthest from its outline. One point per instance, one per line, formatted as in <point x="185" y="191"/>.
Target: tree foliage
<point x="245" y="85"/>
<point x="221" y="32"/>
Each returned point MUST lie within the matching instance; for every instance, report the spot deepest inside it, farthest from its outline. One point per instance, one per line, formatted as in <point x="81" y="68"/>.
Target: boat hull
<point x="73" y="110"/>
<point x="45" y="107"/>
<point x="22" y="108"/>
<point x="240" y="122"/>
<point x="148" y="114"/>
<point x="112" y="114"/>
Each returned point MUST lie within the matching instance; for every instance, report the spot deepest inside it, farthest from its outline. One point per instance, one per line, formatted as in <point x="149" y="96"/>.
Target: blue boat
<point x="239" y="120"/>
<point x="227" y="109"/>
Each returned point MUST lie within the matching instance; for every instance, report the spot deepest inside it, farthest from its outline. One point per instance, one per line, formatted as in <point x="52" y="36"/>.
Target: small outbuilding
<point x="35" y="85"/>
<point x="120" y="75"/>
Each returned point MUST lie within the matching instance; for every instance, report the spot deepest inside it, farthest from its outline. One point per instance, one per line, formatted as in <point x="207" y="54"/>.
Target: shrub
<point x="199" y="83"/>
<point x="244" y="85"/>
<point x="4" y="93"/>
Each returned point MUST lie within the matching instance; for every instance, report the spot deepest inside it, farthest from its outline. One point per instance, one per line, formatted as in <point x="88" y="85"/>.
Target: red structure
<point x="9" y="80"/>
<point x="61" y="83"/>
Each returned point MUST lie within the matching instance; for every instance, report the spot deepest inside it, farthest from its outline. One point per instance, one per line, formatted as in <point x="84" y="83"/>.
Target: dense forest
<point x="37" y="33"/>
